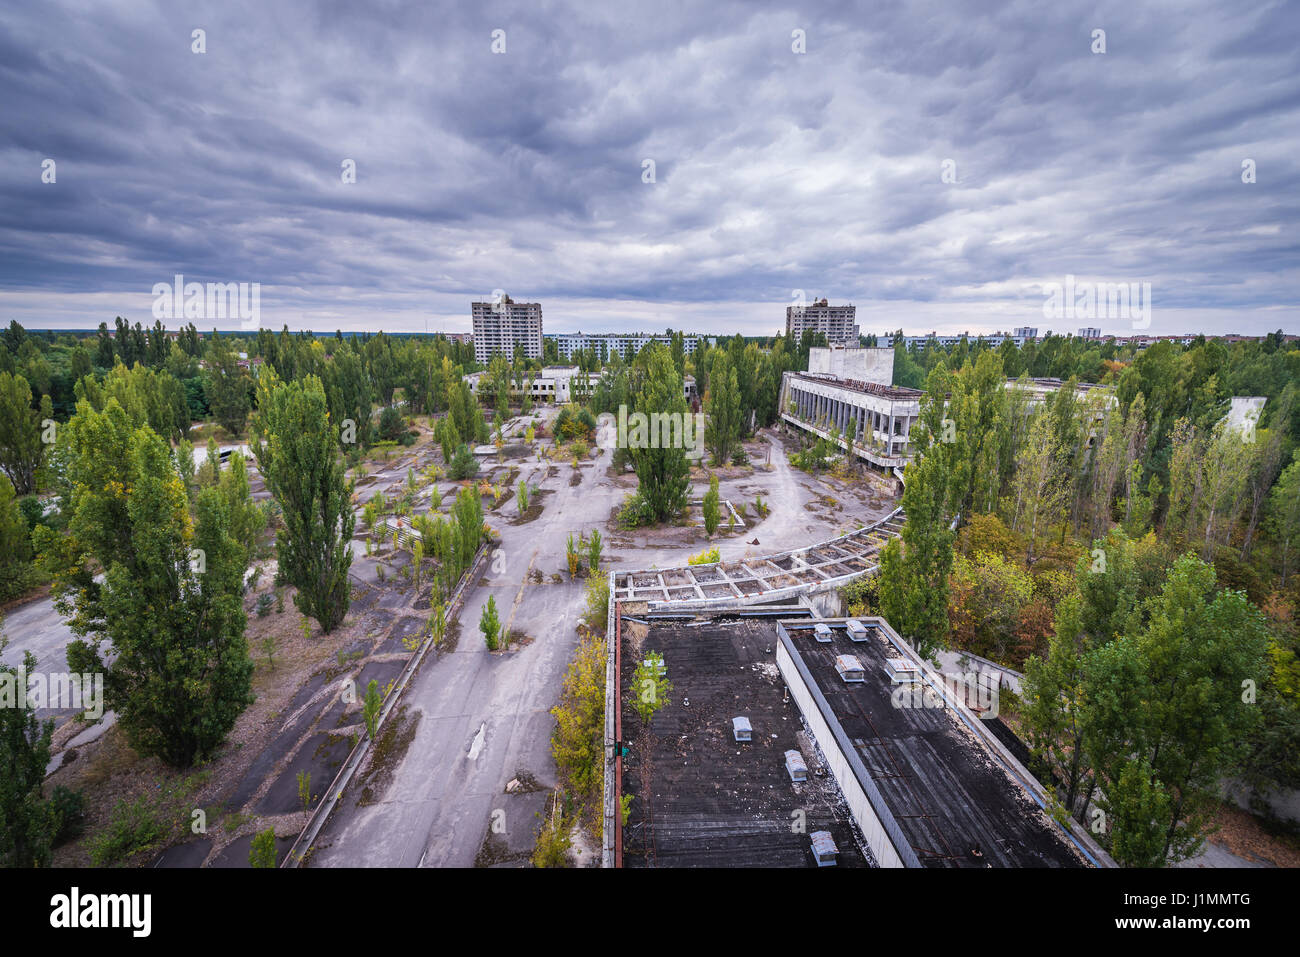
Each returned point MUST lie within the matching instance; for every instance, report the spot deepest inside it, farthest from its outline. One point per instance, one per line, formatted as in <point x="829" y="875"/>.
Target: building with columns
<point x="879" y="416"/>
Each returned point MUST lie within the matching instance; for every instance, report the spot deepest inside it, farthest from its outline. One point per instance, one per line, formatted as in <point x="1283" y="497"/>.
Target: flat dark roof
<point x="701" y="798"/>
<point x="946" y="791"/>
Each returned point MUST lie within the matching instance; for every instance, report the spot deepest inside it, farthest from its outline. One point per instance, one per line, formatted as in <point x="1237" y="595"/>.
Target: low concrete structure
<point x="816" y="568"/>
<point x="558" y="384"/>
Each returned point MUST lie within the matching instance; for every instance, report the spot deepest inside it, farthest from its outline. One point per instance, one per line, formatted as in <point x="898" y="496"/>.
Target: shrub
<point x="370" y="709"/>
<point x="463" y="464"/>
<point x="490" y="623"/>
<point x="132" y="828"/>
<point x="571" y="555"/>
<point x="70" y="819"/>
<point x="597" y="601"/>
<point x="391" y="424"/>
<point x="261" y="853"/>
<point x="708" y="557"/>
<point x="650" y="686"/>
<point x="552" y="848"/>
<point x="264" y="603"/>
<point x="635" y="512"/>
<point x="578" y="741"/>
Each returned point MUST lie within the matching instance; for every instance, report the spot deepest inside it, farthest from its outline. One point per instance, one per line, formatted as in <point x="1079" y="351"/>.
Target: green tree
<point x="711" y="508"/>
<point x="498" y="377"/>
<point x="1052" y="707"/>
<point x="170" y="600"/>
<point x="15" y="546"/>
<point x="490" y="623"/>
<point x="27" y="821"/>
<point x="661" y="467"/>
<point x="1284" y="517"/>
<point x="247" y="519"/>
<point x="722" y="404"/>
<point x="370" y="708"/>
<point x="1139" y="808"/>
<point x="594" y="546"/>
<point x="298" y="456"/>
<point x="914" y="572"/>
<point x="21" y="448"/>
<point x="1172" y="696"/>
<point x="226" y="386"/>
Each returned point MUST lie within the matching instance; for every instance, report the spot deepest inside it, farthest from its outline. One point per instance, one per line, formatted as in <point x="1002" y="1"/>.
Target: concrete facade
<point x="558" y="384"/>
<point x="862" y="365"/>
<point x="881" y="416"/>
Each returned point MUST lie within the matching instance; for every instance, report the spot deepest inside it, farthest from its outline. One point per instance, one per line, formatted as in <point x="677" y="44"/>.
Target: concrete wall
<point x="865" y="365"/>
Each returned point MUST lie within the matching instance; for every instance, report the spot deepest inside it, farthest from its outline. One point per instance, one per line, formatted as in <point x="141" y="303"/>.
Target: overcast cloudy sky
<point x="775" y="171"/>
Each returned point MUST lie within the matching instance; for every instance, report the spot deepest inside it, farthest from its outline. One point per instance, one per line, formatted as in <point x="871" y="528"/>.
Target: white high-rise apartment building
<point x="500" y="326"/>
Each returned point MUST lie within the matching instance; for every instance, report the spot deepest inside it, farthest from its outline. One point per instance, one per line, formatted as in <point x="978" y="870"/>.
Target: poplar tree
<point x="297" y="454"/>
<point x="20" y="432"/>
<point x="661" y="469"/>
<point x="722" y="404"/>
<point x="226" y="386"/>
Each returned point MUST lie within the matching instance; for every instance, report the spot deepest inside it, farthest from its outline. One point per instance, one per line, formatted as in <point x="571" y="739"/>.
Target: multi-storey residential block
<point x="837" y="322"/>
<point x="500" y="326"/>
<point x="605" y="345"/>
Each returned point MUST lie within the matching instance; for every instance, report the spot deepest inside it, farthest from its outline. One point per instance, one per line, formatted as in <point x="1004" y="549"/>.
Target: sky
<point x="939" y="165"/>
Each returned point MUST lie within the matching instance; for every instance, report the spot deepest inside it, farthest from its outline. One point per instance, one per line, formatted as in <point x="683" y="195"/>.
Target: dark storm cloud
<point x="775" y="171"/>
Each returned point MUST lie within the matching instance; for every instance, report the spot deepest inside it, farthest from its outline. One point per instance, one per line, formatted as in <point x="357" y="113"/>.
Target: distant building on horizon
<point x="500" y="326"/>
<point x="606" y="344"/>
<point x="838" y="323"/>
<point x="1089" y="332"/>
<point x="993" y="339"/>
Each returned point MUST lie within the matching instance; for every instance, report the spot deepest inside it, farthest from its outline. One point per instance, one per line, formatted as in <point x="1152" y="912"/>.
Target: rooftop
<point x="702" y="799"/>
<point x="869" y="388"/>
<point x="946" y="791"/>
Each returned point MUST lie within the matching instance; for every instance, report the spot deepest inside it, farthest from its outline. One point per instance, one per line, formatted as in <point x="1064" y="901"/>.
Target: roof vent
<point x="741" y="729"/>
<point x="795" y="767"/>
<point x="857" y="630"/>
<point x="901" y="671"/>
<point x="822" y="631"/>
<point x="850" y="668"/>
<point x="823" y="848"/>
<point x="655" y="665"/>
